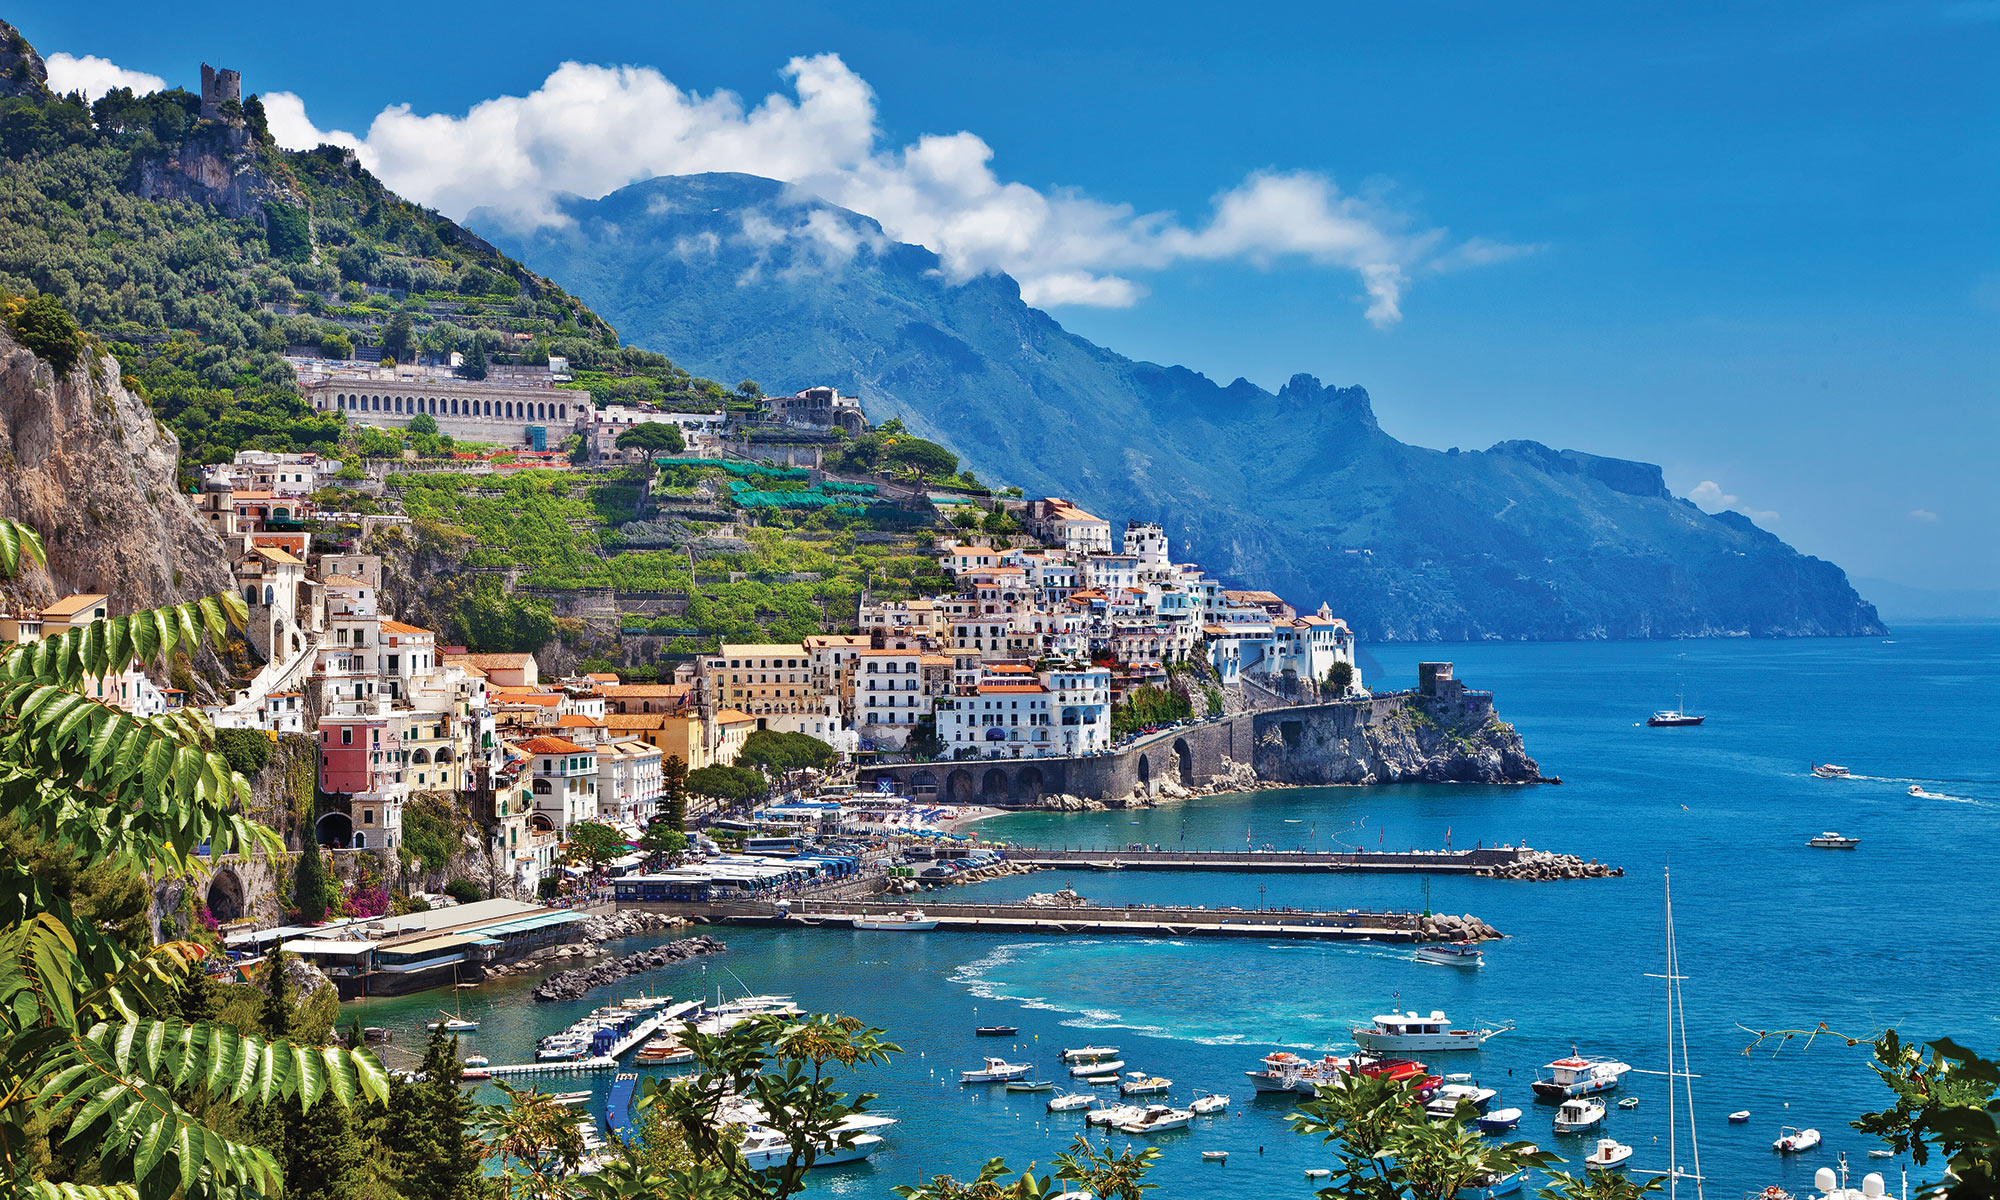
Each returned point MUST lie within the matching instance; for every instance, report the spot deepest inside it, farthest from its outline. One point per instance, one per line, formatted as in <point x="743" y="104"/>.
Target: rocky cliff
<point x="1398" y="739"/>
<point x="84" y="461"/>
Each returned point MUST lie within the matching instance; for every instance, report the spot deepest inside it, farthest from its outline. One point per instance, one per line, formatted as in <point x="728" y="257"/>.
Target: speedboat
<point x="664" y="1051"/>
<point x="1881" y="1154"/>
<point x="1409" y="1033"/>
<point x="1206" y="1103"/>
<point x="1070" y="1101"/>
<point x="996" y="1070"/>
<point x="1081" y="1053"/>
<point x="763" y="1149"/>
<point x="1112" y="1114"/>
<point x="1335" y="1072"/>
<point x="1575" y="1116"/>
<point x="1830" y="840"/>
<point x="1609" y="1155"/>
<point x="1097" y="1068"/>
<point x="478" y="1060"/>
<point x="1159" y="1118"/>
<point x="1101" y="1080"/>
<point x="913" y="921"/>
<point x="1142" y="1084"/>
<point x="1499" y="1120"/>
<point x="1451" y="954"/>
<point x="996" y="1031"/>
<point x="1795" y="1141"/>
<point x="1578" y="1076"/>
<point x="1031" y="1085"/>
<point x="1831" y="771"/>
<point x="1443" y="1104"/>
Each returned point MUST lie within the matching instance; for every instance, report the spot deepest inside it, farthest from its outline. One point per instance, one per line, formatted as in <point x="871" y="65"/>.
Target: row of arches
<point x="453" y="406"/>
<point x="976" y="783"/>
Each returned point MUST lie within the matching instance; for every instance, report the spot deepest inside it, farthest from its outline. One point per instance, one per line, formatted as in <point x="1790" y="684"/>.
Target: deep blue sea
<point x="1903" y="932"/>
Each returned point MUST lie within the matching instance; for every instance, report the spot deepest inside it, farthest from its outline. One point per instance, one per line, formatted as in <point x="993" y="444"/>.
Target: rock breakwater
<point x="1541" y="866"/>
<point x="1443" y="927"/>
<point x="572" y="985"/>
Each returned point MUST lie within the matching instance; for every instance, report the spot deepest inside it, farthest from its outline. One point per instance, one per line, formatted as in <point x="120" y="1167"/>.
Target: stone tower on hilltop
<point x="218" y="86"/>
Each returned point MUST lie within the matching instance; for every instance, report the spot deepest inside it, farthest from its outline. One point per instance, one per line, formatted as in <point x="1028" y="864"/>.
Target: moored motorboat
<point x="763" y="1149"/>
<point x="1214" y="1155"/>
<point x="1443" y="1104"/>
<point x="1410" y="1033"/>
<point x="478" y="1060"/>
<point x="1829" y="840"/>
<point x="1070" y="1101"/>
<point x="1578" y="1076"/>
<point x="1577" y="1115"/>
<point x="1795" y="1141"/>
<point x="1739" y="1116"/>
<point x="1112" y="1114"/>
<point x="1084" y="1053"/>
<point x="1207" y="1103"/>
<point x="454" y="1025"/>
<point x="1142" y="1084"/>
<point x="1499" y="1120"/>
<point x="1031" y="1085"/>
<point x="1451" y="954"/>
<point x="1610" y="1155"/>
<point x="1097" y="1068"/>
<point x="1491" y="1186"/>
<point x="913" y="921"/>
<point x="1629" y="1102"/>
<point x="1280" y="1074"/>
<point x="996" y="1070"/>
<point x="996" y="1031"/>
<point x="1101" y="1080"/>
<point x="1158" y="1118"/>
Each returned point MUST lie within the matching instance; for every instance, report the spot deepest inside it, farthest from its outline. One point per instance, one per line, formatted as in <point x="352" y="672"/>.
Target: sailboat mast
<point x="1673" y="1142"/>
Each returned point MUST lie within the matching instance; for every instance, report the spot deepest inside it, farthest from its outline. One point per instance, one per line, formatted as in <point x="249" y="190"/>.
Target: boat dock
<point x="1487" y="860"/>
<point x="1142" y="920"/>
<point x="604" y="1062"/>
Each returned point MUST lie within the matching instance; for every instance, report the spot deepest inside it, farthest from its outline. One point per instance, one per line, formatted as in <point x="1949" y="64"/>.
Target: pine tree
<point x="429" y="1129"/>
<point x="276" y="1013"/>
<point x="309" y="883"/>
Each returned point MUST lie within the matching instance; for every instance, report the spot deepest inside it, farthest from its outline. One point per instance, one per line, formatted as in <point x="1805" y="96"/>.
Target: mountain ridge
<point x="1298" y="490"/>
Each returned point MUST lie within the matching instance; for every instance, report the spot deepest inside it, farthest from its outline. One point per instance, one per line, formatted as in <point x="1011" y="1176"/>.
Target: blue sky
<point x="1758" y="244"/>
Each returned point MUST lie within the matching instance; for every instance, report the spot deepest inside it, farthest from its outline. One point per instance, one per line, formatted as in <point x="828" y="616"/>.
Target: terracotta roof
<point x="550" y="744"/>
<point x="534" y="699"/>
<point x="903" y="653"/>
<point x="400" y="627"/>
<point x="1018" y="688"/>
<point x="762" y="650"/>
<point x="234" y="496"/>
<point x="636" y="720"/>
<point x="732" y="716"/>
<point x="343" y="581"/>
<point x="1254" y="597"/>
<point x="279" y="554"/>
<point x="822" y="640"/>
<point x="645" y="691"/>
<point x="603" y="677"/>
<point x="578" y="721"/>
<point x="937" y="660"/>
<point x="490" y="661"/>
<point x="69" y="606"/>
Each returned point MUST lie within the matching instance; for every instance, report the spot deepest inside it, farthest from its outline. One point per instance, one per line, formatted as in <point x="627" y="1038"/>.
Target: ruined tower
<point x="218" y="86"/>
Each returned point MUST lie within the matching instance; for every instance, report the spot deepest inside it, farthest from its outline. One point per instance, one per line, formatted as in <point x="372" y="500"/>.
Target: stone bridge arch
<point x="994" y="787"/>
<point x="958" y="786"/>
<point x="1029" y="785"/>
<point x="334" y="829"/>
<point x="226" y="898"/>
<point x="1184" y="762"/>
<point x="1145" y="768"/>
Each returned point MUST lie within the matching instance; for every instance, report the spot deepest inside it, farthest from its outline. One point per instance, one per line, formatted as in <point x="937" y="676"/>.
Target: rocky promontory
<point x="572" y="985"/>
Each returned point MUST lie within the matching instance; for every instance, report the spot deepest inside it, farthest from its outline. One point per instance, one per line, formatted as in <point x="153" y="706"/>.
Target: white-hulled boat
<point x="1917" y="790"/>
<point x="996" y="1070"/>
<point x="1579" y="1076"/>
<point x="1280" y="1074"/>
<point x="478" y="1060"/>
<point x="1410" y="1033"/>
<point x="1795" y="1141"/>
<point x="1158" y="1118"/>
<point x="1451" y="954"/>
<point x="1610" y="1155"/>
<point x="913" y="921"/>
<point x="1142" y="1084"/>
<point x="764" y="1149"/>
<point x="1499" y="1120"/>
<point x="1087" y="1053"/>
<point x="1208" y="1103"/>
<point x="1831" y="771"/>
<point x="1443" y="1104"/>
<point x="1085" y="1070"/>
<point x="1830" y="840"/>
<point x="1112" y="1114"/>
<point x="1575" y="1116"/>
<point x="1070" y="1101"/>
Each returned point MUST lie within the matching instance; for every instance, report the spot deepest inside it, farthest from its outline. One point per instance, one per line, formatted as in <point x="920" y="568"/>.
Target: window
<point x="346" y="736"/>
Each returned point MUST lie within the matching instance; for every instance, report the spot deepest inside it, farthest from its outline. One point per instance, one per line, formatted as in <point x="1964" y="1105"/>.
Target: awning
<point x="330" y="947"/>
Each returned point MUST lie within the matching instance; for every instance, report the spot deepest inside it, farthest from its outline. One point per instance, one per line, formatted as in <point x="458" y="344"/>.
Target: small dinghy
<point x="1629" y="1102"/>
<point x="1318" y="1173"/>
<point x="1214" y="1155"/>
<point x="1795" y="1141"/>
<point x="1739" y="1116"/>
<point x="1881" y="1154"/>
<point x="1500" y="1121"/>
<point x="1031" y="1085"/>
<point x="1610" y="1155"/>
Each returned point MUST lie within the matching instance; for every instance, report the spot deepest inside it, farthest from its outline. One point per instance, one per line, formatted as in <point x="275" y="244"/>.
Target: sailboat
<point x="1677" y="1044"/>
<point x="1678" y="714"/>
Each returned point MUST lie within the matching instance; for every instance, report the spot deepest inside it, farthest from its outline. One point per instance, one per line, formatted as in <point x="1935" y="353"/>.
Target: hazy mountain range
<point x="736" y="276"/>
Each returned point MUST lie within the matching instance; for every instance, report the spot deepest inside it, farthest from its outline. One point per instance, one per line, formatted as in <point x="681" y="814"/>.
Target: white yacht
<point x="1830" y="840"/>
<point x="1610" y="1155"/>
<point x="1575" y="1116"/>
<point x="1208" y="1103"/>
<point x="1451" y="954"/>
<point x="1070" y="1101"/>
<point x="1411" y="1033"/>
<point x="1158" y="1118"/>
<point x="1113" y="1114"/>
<point x="1443" y="1104"/>
<point x="1089" y="1053"/>
<point x="1579" y="1076"/>
<point x="1795" y="1141"/>
<point x="996" y="1070"/>
<point x="913" y="921"/>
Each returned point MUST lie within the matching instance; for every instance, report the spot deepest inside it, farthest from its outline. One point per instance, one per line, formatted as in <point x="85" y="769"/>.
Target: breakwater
<point x="1148" y="920"/>
<point x="571" y="985"/>
<point x="1500" y="862"/>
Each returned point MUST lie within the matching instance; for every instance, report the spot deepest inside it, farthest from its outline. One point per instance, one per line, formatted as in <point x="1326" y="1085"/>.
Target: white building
<point x="889" y="696"/>
<point x="1081" y="697"/>
<point x="628" y="782"/>
<point x="1012" y="719"/>
<point x="563" y="783"/>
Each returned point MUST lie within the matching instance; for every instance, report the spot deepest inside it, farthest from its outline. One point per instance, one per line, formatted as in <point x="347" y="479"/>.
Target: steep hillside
<point x="741" y="277"/>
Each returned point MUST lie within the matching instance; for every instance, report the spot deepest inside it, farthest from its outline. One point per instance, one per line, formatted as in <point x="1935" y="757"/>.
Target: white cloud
<point x="94" y="76"/>
<point x="589" y="130"/>
<point x="1924" y="515"/>
<point x="1710" y="496"/>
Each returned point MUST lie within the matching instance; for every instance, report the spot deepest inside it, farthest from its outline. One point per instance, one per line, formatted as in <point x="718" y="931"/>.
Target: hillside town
<point x="1038" y="641"/>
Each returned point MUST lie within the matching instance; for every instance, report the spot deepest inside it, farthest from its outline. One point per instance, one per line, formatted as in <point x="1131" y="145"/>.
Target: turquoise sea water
<point x="1904" y="931"/>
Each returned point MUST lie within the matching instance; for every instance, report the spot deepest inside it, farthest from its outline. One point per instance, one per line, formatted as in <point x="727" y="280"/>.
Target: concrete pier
<point x="1492" y="860"/>
<point x="1142" y="920"/>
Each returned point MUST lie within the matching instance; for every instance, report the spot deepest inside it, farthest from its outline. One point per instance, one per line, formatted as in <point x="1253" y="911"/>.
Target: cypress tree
<point x="309" y="883"/>
<point x="429" y="1129"/>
